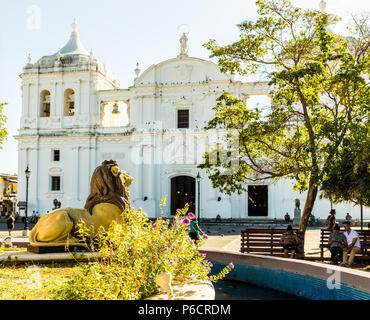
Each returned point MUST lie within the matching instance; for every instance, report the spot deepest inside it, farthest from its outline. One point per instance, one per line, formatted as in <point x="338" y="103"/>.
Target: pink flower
<point x="231" y="265"/>
<point x="186" y="204"/>
<point x="202" y="254"/>
<point x="191" y="215"/>
<point x="165" y="249"/>
<point x="186" y="221"/>
<point x="172" y="262"/>
<point x="205" y="235"/>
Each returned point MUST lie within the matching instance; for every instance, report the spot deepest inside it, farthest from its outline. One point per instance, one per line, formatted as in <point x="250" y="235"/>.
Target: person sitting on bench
<point x="336" y="243"/>
<point x="289" y="241"/>
<point x="287" y="218"/>
<point x="354" y="246"/>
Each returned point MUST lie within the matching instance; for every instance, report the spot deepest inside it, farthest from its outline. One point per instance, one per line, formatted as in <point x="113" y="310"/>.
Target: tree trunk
<point x="310" y="200"/>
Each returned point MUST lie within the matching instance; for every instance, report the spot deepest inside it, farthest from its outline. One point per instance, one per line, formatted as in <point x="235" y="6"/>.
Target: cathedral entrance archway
<point x="182" y="192"/>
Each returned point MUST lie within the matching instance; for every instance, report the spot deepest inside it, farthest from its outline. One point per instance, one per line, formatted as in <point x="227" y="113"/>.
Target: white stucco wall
<point x="149" y="147"/>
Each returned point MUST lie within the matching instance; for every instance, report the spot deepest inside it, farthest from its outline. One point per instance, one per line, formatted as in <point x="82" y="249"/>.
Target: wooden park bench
<point x="364" y="241"/>
<point x="266" y="241"/>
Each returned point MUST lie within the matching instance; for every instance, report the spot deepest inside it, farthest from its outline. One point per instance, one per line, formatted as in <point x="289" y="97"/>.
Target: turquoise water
<point x="236" y="290"/>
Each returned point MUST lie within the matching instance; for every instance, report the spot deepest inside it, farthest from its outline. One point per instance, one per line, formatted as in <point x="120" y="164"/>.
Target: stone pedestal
<point x="297" y="216"/>
<point x="55" y="249"/>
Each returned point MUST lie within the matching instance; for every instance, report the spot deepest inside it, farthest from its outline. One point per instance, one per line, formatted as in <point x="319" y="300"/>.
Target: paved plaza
<point x="222" y="237"/>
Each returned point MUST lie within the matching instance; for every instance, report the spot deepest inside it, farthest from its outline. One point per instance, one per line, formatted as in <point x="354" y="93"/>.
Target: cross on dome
<point x="74" y="25"/>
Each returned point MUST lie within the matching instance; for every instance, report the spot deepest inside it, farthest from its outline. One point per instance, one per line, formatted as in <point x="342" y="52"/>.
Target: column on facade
<point x="92" y="156"/>
<point x="137" y="159"/>
<point x="148" y="171"/>
<point x="59" y="104"/>
<point x="32" y="159"/>
<point x="272" y="212"/>
<point x="210" y="142"/>
<point x="84" y="171"/>
<point x="158" y="164"/>
<point x="37" y="106"/>
<point x="127" y="102"/>
<point x="79" y="106"/>
<point x="76" y="173"/>
<point x="23" y="159"/>
<point x="141" y="108"/>
<point x="54" y="101"/>
<point x="26" y="101"/>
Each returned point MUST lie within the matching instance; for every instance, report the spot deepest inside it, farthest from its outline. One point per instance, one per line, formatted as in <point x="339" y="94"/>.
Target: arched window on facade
<point x="45" y="103"/>
<point x="69" y="103"/>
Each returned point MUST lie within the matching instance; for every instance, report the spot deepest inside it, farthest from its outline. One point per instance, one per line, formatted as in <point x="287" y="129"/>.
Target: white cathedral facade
<point x="71" y="122"/>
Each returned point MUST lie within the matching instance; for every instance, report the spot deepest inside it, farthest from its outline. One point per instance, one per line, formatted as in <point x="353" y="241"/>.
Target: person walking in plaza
<point x="289" y="241"/>
<point x="330" y="220"/>
<point x="194" y="229"/>
<point x="336" y="243"/>
<point x="348" y="217"/>
<point x="353" y="244"/>
<point x="10" y="223"/>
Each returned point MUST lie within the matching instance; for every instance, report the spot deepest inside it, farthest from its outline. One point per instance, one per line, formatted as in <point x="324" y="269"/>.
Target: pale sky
<point x="120" y="33"/>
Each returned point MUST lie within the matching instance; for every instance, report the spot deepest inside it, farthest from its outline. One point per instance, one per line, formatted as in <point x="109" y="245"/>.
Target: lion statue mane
<point x="107" y="201"/>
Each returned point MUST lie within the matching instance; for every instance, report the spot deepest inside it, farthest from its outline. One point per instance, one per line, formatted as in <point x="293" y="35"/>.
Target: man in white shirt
<point x="353" y="241"/>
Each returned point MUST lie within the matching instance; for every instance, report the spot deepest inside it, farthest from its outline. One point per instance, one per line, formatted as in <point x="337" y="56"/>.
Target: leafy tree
<point x="3" y="119"/>
<point x="320" y="96"/>
<point x="349" y="179"/>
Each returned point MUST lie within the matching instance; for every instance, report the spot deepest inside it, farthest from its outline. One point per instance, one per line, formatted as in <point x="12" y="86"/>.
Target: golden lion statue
<point x="107" y="200"/>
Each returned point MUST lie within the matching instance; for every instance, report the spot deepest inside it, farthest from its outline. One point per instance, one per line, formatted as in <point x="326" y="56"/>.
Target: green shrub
<point x="133" y="253"/>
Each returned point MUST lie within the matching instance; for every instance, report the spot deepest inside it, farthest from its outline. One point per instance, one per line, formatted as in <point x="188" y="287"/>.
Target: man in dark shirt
<point x="330" y="220"/>
<point x="287" y="217"/>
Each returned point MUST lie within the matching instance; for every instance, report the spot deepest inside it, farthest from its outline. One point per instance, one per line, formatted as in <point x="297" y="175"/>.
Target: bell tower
<point x="59" y="113"/>
<point x="59" y="91"/>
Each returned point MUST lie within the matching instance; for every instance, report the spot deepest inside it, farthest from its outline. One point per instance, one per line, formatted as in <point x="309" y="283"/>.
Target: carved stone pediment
<point x="183" y="72"/>
<point x="55" y="170"/>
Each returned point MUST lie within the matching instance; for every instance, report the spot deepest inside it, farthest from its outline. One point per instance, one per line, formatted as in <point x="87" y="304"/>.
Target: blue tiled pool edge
<point x="293" y="283"/>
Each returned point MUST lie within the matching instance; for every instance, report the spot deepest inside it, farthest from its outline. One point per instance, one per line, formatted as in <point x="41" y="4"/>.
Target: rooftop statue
<point x="184" y="45"/>
<point x="107" y="200"/>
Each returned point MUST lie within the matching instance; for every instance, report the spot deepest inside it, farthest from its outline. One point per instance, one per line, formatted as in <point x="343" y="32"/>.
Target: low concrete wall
<point x="27" y="257"/>
<point x="306" y="279"/>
